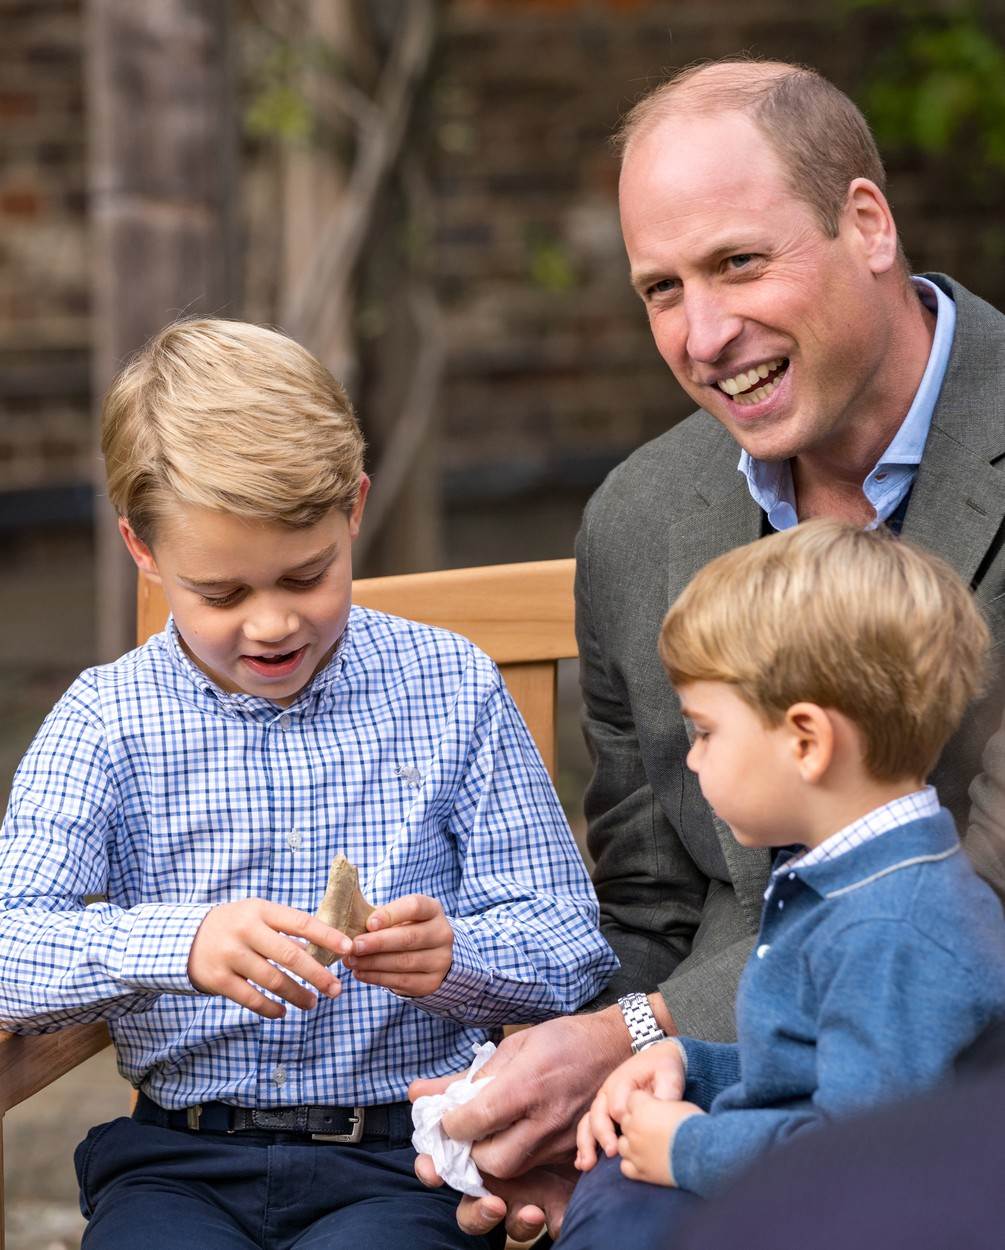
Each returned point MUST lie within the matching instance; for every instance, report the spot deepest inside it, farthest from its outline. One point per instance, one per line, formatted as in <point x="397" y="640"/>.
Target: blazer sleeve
<point x="985" y="834"/>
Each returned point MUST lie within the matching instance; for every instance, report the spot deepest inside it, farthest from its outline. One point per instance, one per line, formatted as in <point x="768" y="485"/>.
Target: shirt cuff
<point x="462" y="989"/>
<point x="158" y="939"/>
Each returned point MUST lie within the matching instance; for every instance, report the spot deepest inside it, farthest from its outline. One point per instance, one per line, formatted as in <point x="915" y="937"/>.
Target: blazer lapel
<point x="732" y="518"/>
<point x="957" y="505"/>
<point x="958" y="502"/>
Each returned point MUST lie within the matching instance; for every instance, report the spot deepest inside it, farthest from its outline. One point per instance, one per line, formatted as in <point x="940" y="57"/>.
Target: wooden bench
<point x="520" y="614"/>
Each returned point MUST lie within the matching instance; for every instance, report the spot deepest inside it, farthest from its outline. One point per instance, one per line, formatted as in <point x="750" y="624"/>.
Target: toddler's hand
<point x="238" y="945"/>
<point x="648" y="1128"/>
<point x="659" y="1070"/>
<point x="408" y="947"/>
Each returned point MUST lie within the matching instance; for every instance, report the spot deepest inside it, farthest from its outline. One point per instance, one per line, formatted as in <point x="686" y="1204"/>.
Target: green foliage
<point x="549" y="263"/>
<point x="941" y="82"/>
<point x="277" y="109"/>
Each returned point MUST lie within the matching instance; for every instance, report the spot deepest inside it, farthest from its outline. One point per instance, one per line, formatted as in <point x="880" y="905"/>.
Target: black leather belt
<point x="347" y="1125"/>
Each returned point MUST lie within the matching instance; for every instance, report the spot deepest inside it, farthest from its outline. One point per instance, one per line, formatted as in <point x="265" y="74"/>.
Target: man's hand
<point x="408" y="948"/>
<point x="648" y="1128"/>
<point x="527" y="1204"/>
<point x="544" y="1079"/>
<point x="658" y="1070"/>
<point x="238" y="946"/>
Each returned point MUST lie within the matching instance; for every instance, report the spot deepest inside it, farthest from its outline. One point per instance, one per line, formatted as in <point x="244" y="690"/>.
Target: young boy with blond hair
<point x="822" y="670"/>
<point x="201" y="786"/>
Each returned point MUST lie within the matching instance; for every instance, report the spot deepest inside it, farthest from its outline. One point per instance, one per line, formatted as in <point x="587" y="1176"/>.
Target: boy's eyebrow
<point x="215" y="583"/>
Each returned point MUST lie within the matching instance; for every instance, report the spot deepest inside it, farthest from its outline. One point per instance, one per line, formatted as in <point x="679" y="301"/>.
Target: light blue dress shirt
<point x="770" y="482"/>
<point x="153" y="787"/>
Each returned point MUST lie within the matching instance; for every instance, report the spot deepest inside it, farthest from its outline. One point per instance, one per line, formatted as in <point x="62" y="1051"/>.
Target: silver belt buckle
<point x="358" y="1118"/>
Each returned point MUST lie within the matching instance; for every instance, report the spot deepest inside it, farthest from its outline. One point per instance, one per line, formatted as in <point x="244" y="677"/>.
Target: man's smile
<point x="753" y="385"/>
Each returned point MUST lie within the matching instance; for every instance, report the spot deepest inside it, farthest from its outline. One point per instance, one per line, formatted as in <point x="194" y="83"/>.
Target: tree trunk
<point x="163" y="163"/>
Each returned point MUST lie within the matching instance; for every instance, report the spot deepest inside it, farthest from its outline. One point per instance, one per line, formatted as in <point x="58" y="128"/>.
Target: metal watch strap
<point x="640" y="1021"/>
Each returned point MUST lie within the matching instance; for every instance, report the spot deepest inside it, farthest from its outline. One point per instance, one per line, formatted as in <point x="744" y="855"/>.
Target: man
<point x="764" y="250"/>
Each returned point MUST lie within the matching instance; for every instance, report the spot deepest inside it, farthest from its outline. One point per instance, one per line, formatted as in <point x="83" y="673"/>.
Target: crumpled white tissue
<point x="452" y="1159"/>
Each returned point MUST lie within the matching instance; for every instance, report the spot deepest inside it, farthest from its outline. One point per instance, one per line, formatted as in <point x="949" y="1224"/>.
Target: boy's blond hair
<point x="849" y="619"/>
<point x="232" y="417"/>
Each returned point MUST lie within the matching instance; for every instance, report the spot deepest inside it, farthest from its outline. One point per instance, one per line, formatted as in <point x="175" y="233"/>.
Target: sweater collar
<point x="919" y="841"/>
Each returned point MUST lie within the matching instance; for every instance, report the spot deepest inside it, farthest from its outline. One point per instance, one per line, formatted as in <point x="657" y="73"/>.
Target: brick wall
<point x="44" y="283"/>
<point x="551" y="373"/>
<point x="552" y="370"/>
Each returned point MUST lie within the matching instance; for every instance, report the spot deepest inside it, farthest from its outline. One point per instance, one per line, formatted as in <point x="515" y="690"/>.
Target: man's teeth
<point x="740" y="387"/>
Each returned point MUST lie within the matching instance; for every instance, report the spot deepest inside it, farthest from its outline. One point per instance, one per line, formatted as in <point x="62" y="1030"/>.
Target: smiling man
<point x="829" y="382"/>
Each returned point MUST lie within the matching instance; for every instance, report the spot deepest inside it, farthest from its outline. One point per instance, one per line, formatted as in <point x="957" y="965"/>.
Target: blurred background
<point x="422" y="193"/>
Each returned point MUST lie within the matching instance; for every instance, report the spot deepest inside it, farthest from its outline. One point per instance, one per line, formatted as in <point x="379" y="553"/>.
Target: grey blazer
<point x="680" y="898"/>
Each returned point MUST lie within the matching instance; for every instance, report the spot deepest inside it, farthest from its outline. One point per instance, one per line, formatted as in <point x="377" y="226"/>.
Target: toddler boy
<point x="202" y="785"/>
<point x="822" y="670"/>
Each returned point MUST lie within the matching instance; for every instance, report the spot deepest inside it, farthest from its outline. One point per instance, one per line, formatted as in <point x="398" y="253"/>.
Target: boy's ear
<point x="356" y="515"/>
<point x="137" y="548"/>
<point x="811" y="740"/>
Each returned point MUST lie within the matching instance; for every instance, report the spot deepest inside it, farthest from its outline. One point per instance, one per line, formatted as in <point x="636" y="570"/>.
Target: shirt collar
<point x="918" y="805"/>
<point x="237" y="702"/>
<point x="917" y="840"/>
<point x="770" y="482"/>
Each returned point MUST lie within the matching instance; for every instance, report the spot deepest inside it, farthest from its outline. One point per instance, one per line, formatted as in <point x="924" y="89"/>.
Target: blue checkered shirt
<point x="150" y="786"/>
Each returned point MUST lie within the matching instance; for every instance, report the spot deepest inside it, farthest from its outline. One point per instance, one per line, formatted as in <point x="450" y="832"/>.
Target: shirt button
<point x="792" y="876"/>
<point x="284" y="723"/>
<point x="763" y="950"/>
<point x="781" y="903"/>
<point x="278" y="1075"/>
<point x="294" y="839"/>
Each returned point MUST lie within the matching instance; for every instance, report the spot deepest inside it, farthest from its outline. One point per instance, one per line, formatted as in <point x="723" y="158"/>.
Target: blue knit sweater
<point x="872" y="971"/>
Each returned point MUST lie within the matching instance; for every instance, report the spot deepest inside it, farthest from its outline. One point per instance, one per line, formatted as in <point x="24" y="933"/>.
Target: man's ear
<point x="356" y="515"/>
<point x="137" y="548"/>
<point x="811" y="740"/>
<point x="868" y="213"/>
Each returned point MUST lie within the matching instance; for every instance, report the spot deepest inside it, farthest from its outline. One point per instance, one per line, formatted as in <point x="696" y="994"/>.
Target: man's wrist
<point x="661" y="1011"/>
<point x="640" y="1021"/>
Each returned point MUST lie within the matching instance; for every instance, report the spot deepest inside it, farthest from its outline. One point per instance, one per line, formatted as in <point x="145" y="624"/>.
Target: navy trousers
<point x="608" y="1210"/>
<point x="165" y="1188"/>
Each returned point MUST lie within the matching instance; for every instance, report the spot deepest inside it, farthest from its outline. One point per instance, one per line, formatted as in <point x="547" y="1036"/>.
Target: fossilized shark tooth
<point x="343" y="906"/>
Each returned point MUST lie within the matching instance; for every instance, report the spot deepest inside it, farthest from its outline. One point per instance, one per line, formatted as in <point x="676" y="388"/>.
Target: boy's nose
<point x="272" y="625"/>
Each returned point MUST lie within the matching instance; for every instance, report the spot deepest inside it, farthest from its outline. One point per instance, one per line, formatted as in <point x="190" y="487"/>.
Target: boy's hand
<point x="408" y="947"/>
<point x="648" y="1128"/>
<point x="238" y="945"/>
<point x="657" y="1070"/>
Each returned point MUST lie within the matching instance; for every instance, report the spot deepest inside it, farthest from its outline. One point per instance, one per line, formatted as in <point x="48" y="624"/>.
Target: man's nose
<point x="269" y="621"/>
<point x="711" y="326"/>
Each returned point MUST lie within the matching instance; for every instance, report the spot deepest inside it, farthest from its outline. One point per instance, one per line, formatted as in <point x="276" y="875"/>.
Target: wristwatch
<point x="640" y="1021"/>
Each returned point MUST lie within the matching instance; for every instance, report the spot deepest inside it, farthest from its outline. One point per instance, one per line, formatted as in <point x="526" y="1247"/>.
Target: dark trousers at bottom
<point x="163" y="1188"/>
<point x="608" y="1210"/>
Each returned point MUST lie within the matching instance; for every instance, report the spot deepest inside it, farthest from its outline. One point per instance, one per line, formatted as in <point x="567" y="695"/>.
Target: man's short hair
<point x="852" y="620"/>
<point x="233" y="417"/>
<point x="819" y="136"/>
